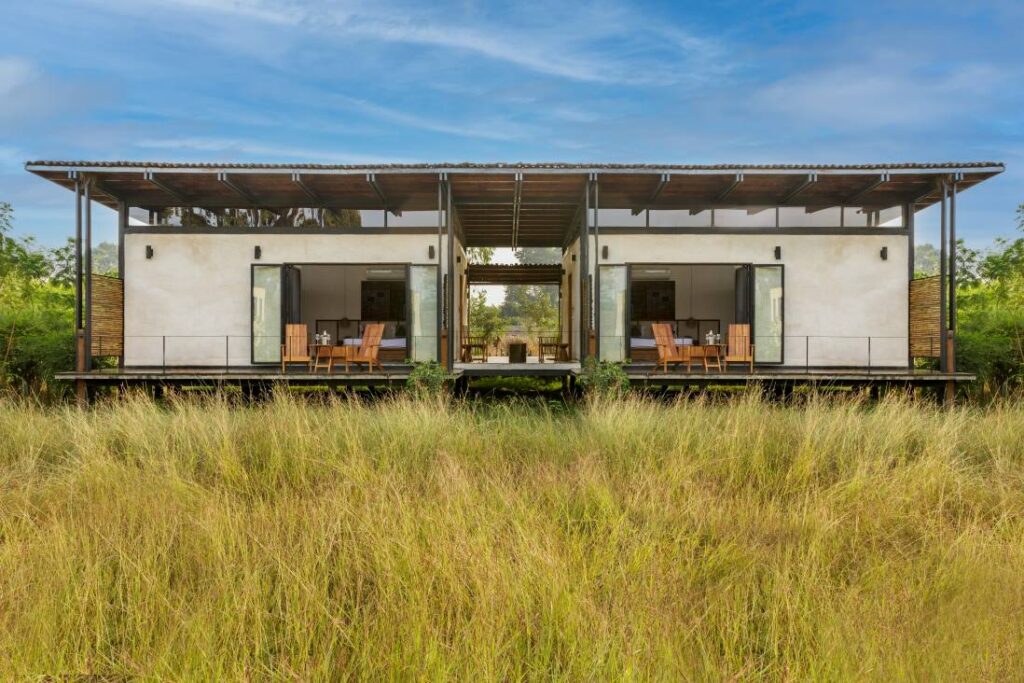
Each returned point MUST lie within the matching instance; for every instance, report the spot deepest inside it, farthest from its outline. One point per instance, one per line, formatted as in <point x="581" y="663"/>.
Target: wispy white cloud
<point x="230" y="149"/>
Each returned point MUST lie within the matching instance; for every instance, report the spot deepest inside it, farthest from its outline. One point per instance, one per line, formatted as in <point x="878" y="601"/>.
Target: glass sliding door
<point x="423" y="312"/>
<point x="266" y="314"/>
<point x="612" y="333"/>
<point x="768" y="314"/>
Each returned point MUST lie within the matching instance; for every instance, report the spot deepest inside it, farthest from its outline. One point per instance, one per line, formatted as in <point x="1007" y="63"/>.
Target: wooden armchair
<point x="668" y="350"/>
<point x="368" y="349"/>
<point x="740" y="347"/>
<point x="295" y="348"/>
<point x="469" y="345"/>
<point x="559" y="349"/>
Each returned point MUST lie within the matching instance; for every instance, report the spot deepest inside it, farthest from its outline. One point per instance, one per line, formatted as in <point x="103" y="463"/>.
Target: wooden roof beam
<point x="732" y="186"/>
<point x="371" y="179"/>
<point x="227" y="181"/>
<point x="870" y="187"/>
<point x="807" y="182"/>
<point x="662" y="182"/>
<point x="517" y="200"/>
<point x="151" y="178"/>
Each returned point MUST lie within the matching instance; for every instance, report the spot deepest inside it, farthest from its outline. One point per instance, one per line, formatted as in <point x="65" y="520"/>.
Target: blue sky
<point x="733" y="82"/>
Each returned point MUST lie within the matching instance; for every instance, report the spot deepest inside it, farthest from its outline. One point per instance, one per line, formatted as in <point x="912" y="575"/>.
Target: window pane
<point x="613" y="313"/>
<point x="423" y="311"/>
<point x="621" y="218"/>
<point x="755" y="217"/>
<point x="680" y="219"/>
<point x="768" y="314"/>
<point x="266" y="314"/>
<point x="801" y="217"/>
<point x="414" y="219"/>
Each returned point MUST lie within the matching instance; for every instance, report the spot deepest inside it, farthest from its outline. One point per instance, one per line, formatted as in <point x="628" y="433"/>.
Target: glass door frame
<point x="750" y="299"/>
<point x="252" y="310"/>
<point x="782" y="311"/>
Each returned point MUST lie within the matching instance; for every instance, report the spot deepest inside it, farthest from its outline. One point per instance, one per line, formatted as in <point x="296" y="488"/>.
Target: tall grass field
<point x="620" y="540"/>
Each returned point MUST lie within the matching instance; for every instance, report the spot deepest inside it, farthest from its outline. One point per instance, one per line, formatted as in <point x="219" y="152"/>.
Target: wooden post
<point x="444" y="347"/>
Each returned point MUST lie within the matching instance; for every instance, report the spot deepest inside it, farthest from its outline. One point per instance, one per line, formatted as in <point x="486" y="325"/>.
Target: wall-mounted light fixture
<point x="257" y="252"/>
<point x="149" y="251"/>
<point x="884" y="253"/>
<point x="458" y="259"/>
<point x="778" y="253"/>
<point x="430" y="251"/>
<point x="574" y="258"/>
<point x="604" y="252"/>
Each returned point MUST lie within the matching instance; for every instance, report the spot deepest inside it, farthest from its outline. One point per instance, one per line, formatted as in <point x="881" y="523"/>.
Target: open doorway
<point x="702" y="303"/>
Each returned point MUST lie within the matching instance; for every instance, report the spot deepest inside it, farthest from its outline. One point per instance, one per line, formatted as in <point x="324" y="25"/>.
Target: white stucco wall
<point x="194" y="294"/>
<point x="838" y="290"/>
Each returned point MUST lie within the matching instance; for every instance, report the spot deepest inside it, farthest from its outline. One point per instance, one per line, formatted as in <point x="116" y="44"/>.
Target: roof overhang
<point x="514" y="274"/>
<point x="513" y="204"/>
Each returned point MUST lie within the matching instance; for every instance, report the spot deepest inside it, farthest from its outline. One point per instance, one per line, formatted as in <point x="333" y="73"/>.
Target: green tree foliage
<point x="480" y="255"/>
<point x="990" y="334"/>
<point x="486" y="320"/>
<point x="36" y="312"/>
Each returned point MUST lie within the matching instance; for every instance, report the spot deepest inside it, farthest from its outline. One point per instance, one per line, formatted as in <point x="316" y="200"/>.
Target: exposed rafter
<point x="732" y="186"/>
<point x="807" y="182"/>
<point x="226" y="180"/>
<point x="517" y="201"/>
<point x="371" y="179"/>
<point x="662" y="182"/>
<point x="309" y="192"/>
<point x="870" y="187"/>
<point x="163" y="186"/>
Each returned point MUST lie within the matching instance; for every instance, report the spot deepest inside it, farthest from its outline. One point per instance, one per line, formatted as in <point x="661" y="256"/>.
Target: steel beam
<point x="867" y="189"/>
<point x="309" y="192"/>
<point x="150" y="177"/>
<point x="371" y="179"/>
<point x="732" y="186"/>
<point x="943" y="272"/>
<point x="662" y="182"/>
<point x="808" y="181"/>
<point x="87" y="266"/>
<point x="517" y="199"/>
<point x="226" y="180"/>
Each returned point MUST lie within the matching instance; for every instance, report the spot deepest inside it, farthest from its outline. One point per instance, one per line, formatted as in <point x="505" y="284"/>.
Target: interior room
<point x="341" y="299"/>
<point x="694" y="299"/>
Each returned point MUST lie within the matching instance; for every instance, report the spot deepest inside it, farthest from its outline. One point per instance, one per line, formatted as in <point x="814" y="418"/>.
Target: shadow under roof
<point x="501" y="204"/>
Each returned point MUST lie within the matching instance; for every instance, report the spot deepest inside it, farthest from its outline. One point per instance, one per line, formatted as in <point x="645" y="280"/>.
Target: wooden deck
<point x="640" y="375"/>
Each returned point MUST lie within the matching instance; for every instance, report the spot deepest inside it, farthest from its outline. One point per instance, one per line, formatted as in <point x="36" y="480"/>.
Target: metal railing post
<point x="807" y="353"/>
<point x="869" y="354"/>
<point x="163" y="352"/>
<point x="227" y="355"/>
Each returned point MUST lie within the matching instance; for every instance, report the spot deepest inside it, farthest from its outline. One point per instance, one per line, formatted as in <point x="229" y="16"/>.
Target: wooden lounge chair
<point x="470" y="345"/>
<point x="740" y="348"/>
<point x="295" y="348"/>
<point x="368" y="349"/>
<point x="559" y="349"/>
<point x="668" y="350"/>
<point x="323" y="358"/>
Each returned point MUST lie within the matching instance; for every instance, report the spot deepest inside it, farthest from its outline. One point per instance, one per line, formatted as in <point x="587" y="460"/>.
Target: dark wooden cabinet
<point x="383" y="300"/>
<point x="653" y="300"/>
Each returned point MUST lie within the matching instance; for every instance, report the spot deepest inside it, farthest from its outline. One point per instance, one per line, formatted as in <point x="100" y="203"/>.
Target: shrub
<point x="429" y="378"/>
<point x="604" y="378"/>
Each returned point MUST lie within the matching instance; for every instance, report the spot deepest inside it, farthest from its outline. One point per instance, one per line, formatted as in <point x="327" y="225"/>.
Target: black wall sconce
<point x="778" y="253"/>
<point x="458" y="259"/>
<point x="884" y="253"/>
<point x="149" y="251"/>
<point x="604" y="252"/>
<point x="430" y="251"/>
<point x="574" y="258"/>
<point x="257" y="252"/>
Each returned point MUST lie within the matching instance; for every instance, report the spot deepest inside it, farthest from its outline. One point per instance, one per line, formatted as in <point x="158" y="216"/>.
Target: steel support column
<point x="585" y="292"/>
<point x="951" y="351"/>
<point x="451" y="275"/>
<point x="943" y="268"/>
<point x="597" y="272"/>
<point x="440" y="232"/>
<point x="908" y="223"/>
<point x="88" y="274"/>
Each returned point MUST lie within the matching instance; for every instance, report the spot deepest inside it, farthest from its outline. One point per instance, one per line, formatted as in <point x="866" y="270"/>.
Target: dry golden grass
<point x="626" y="540"/>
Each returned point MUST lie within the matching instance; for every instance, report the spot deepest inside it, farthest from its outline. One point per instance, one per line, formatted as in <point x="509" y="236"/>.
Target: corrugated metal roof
<point x="521" y="166"/>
